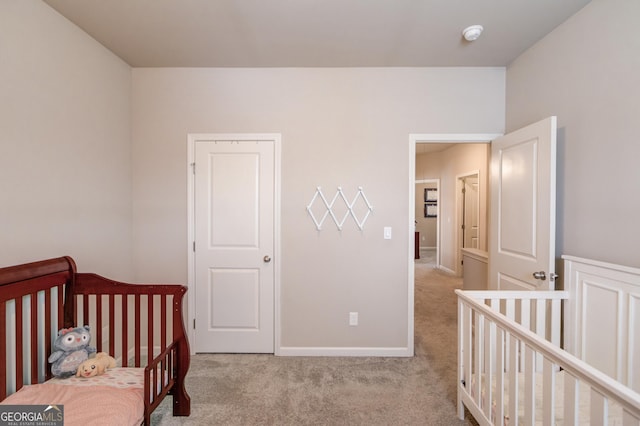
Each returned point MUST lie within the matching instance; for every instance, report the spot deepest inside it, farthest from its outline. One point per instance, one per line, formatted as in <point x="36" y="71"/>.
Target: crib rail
<point x="31" y="301"/>
<point x="511" y="337"/>
<point x="138" y="324"/>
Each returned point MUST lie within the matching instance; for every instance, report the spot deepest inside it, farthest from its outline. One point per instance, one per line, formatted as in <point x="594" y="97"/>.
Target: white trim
<point x="191" y="302"/>
<point x="415" y="138"/>
<point x="346" y="351"/>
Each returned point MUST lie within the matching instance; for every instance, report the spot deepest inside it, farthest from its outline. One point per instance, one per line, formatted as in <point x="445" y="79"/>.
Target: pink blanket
<point x="86" y="405"/>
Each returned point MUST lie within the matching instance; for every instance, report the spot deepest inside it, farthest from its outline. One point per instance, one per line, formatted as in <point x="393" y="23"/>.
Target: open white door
<point x="523" y="208"/>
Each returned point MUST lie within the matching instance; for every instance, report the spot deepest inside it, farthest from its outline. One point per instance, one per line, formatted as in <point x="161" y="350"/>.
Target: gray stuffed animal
<point x="72" y="348"/>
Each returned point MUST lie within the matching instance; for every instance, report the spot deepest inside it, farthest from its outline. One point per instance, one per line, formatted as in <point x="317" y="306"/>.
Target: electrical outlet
<point x="353" y="318"/>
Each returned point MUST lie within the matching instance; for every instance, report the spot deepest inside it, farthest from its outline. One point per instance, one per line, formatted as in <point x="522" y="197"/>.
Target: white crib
<point x="512" y="368"/>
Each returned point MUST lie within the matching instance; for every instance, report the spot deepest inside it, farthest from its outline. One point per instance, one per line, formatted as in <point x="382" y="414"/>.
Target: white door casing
<point x="234" y="263"/>
<point x="522" y="218"/>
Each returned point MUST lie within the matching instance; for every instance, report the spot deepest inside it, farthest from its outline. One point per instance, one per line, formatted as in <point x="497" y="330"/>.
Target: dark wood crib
<point x="140" y="325"/>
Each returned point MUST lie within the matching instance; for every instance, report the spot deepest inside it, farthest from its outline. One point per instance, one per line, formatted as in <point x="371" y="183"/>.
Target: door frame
<point x="415" y="138"/>
<point x="192" y="138"/>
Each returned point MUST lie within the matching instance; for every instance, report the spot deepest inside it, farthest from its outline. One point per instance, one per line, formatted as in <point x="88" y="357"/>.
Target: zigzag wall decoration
<point x="330" y="205"/>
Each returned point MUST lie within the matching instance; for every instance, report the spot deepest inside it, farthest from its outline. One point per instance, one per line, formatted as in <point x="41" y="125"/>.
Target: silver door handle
<point x="540" y="275"/>
<point x="266" y="259"/>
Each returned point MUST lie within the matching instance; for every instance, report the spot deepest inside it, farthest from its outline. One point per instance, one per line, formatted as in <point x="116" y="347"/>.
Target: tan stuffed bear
<point x="96" y="365"/>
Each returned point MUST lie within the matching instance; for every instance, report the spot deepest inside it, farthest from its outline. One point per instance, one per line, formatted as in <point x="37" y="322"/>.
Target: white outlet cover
<point x="353" y="318"/>
<point x="387" y="232"/>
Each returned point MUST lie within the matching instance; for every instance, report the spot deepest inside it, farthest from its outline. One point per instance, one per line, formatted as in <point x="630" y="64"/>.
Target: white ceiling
<point x="315" y="33"/>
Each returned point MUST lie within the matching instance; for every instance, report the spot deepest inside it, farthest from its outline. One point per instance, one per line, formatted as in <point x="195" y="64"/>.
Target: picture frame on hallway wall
<point x="430" y="195"/>
<point x="430" y="209"/>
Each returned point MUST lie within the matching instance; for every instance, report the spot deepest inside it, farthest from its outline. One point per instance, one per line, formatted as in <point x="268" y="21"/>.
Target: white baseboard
<point x="442" y="268"/>
<point x="355" y="352"/>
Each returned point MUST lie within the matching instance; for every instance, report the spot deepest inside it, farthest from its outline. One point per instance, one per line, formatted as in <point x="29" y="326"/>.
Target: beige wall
<point x="65" y="180"/>
<point x="587" y="72"/>
<point x="447" y="166"/>
<point x="340" y="127"/>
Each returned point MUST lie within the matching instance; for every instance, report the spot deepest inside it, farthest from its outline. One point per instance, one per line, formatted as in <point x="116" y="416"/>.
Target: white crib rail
<point x="496" y="343"/>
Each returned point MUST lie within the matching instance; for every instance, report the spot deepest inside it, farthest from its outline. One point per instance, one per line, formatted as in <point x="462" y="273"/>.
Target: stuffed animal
<point x="96" y="366"/>
<point x="72" y="348"/>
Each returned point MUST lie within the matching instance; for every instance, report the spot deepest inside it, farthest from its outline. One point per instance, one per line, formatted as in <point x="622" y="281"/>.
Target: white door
<point x="234" y="246"/>
<point x="523" y="195"/>
<point x="471" y="212"/>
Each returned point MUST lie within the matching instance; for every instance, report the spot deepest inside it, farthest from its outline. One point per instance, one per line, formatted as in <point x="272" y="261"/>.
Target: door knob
<point x="540" y="275"/>
<point x="266" y="259"/>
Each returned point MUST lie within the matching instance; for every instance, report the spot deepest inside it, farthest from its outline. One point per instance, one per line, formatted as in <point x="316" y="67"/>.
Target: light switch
<point x="387" y="232"/>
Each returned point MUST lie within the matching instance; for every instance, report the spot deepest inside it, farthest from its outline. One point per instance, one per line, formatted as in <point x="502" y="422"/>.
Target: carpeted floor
<point x="267" y="390"/>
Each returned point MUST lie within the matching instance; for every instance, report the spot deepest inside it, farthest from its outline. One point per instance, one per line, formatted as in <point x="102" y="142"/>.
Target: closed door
<point x="523" y="195"/>
<point x="234" y="246"/>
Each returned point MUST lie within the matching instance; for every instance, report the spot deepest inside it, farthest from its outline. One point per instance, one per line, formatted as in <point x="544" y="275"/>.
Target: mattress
<point x="113" y="398"/>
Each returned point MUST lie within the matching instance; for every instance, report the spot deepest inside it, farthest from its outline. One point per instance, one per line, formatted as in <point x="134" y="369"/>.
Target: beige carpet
<point x="267" y="390"/>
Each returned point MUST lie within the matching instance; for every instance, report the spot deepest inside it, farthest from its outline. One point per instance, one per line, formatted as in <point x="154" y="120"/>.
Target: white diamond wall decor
<point x="332" y="208"/>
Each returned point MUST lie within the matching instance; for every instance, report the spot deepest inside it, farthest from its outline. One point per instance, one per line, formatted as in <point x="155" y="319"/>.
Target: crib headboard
<point x="602" y="318"/>
<point x="31" y="311"/>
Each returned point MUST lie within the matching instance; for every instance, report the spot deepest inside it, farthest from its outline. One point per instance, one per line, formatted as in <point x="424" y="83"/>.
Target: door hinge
<point x="193" y="167"/>
<point x="194" y="246"/>
<point x="194" y="323"/>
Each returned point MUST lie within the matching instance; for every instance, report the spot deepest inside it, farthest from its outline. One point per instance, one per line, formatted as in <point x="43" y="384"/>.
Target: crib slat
<point x="3" y="352"/>
<point x="549" y="389"/>
<point x="111" y="322"/>
<point x="478" y="352"/>
<point x="150" y="320"/>
<point x="137" y="330"/>
<point x="163" y="322"/>
<point x="468" y="340"/>
<point x="500" y="351"/>
<point x="540" y="327"/>
<point x="529" y="386"/>
<point x="85" y="311"/>
<point x="514" y="345"/>
<point x="599" y="408"/>
<point x="125" y="330"/>
<point x="489" y="359"/>
<point x="19" y="374"/>
<point x="60" y="309"/>
<point x="525" y="321"/>
<point x="34" y="338"/>
<point x="47" y="327"/>
<point x="570" y="399"/>
<point x="556" y="321"/>
<point x="98" y="299"/>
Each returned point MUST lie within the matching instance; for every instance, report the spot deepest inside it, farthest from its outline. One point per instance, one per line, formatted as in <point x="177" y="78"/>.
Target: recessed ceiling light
<point x="472" y="33"/>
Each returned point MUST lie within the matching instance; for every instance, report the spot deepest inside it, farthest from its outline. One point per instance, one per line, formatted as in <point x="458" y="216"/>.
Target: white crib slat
<point x="549" y="389"/>
<point x="478" y="352"/>
<point x="500" y="350"/>
<point x="462" y="351"/>
<point x="514" y="344"/>
<point x="525" y="321"/>
<point x="468" y="354"/>
<point x="556" y="321"/>
<point x="540" y="327"/>
<point x="599" y="408"/>
<point x="489" y="360"/>
<point x="570" y="399"/>
<point x="529" y="386"/>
